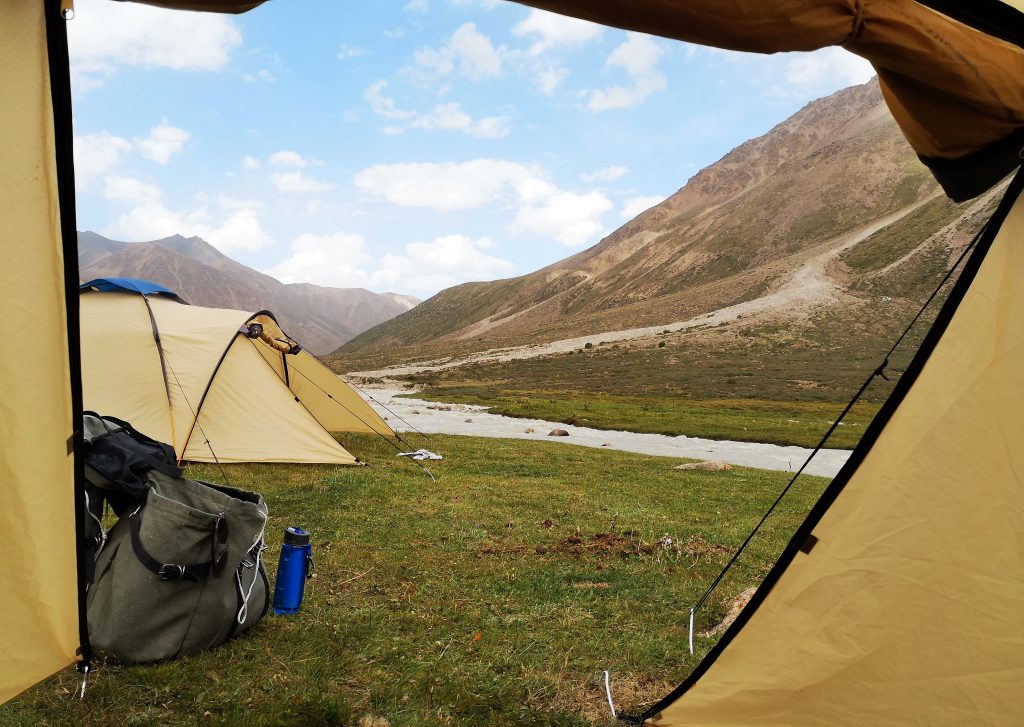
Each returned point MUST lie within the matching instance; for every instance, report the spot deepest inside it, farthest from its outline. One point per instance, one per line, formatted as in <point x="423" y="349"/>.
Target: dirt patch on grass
<point x="626" y="544"/>
<point x="631" y="693"/>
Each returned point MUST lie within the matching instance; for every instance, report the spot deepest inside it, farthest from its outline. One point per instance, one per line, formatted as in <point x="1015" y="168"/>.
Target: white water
<point x="435" y="421"/>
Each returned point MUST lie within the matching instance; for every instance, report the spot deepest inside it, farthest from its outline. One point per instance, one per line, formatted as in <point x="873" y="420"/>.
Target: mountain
<point x="776" y="226"/>
<point x="320" y="318"/>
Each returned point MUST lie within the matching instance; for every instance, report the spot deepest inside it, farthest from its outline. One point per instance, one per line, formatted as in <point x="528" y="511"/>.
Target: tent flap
<point x="910" y="607"/>
<point x="39" y="624"/>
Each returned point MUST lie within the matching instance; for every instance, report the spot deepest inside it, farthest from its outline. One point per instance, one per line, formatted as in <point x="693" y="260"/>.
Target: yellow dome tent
<point x="901" y="598"/>
<point x="218" y="385"/>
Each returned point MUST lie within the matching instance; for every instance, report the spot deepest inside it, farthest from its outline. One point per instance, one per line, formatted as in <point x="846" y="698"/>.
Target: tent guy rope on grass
<point x="372" y="429"/>
<point x="387" y="409"/>
<point x="195" y="422"/>
<point x="877" y="372"/>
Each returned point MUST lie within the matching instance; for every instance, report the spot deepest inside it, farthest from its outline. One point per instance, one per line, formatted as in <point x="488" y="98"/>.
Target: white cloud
<point x="251" y="162"/>
<point x="485" y="4"/>
<point x="163" y="142"/>
<point x="446" y="186"/>
<point x="468" y="52"/>
<point x="477" y="57"/>
<point x="342" y="260"/>
<point x="261" y="75"/>
<point x="105" y="36"/>
<point x="572" y="219"/>
<point x="824" y="71"/>
<point x="551" y="30"/>
<point x="638" y="57"/>
<point x="636" y="205"/>
<point x="129" y="189"/>
<point x="383" y="105"/>
<point x="416" y="6"/>
<point x="96" y="154"/>
<point x="289" y="158"/>
<point x="427" y="267"/>
<point x="150" y="219"/>
<point x="346" y="51"/>
<point x="298" y="182"/>
<point x="338" y="260"/>
<point x="606" y="174"/>
<point x="446" y="117"/>
<point x="541" y="207"/>
<point x="549" y="78"/>
<point x="452" y="118"/>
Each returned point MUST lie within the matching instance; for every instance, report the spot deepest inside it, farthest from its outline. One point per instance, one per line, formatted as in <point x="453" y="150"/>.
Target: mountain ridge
<point x="735" y="231"/>
<point x="319" y="317"/>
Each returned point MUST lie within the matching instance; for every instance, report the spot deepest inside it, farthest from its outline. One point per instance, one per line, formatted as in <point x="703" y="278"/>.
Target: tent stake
<point x="692" y="610"/>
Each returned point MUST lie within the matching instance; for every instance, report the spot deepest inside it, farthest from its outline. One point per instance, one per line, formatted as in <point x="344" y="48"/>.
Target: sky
<point x="403" y="146"/>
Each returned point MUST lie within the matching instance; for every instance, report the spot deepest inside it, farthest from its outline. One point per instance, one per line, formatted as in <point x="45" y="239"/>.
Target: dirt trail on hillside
<point x="807" y="288"/>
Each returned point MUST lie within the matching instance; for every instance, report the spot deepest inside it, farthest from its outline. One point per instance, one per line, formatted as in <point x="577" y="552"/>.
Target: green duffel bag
<point x="181" y="574"/>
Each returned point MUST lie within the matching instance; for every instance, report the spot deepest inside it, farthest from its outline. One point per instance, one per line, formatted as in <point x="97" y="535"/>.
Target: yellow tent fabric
<point x="39" y="607"/>
<point x="946" y="467"/>
<point x="209" y="390"/>
<point x="909" y="608"/>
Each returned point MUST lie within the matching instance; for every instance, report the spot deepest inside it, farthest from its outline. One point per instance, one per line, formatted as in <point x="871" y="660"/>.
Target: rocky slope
<point x="320" y="318"/>
<point x="800" y="200"/>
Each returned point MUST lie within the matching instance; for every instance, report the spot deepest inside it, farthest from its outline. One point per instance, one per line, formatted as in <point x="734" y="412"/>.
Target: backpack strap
<point x="194" y="572"/>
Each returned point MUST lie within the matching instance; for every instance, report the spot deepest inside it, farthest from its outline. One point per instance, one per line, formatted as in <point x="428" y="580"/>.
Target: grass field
<point x="495" y="595"/>
<point x="800" y="423"/>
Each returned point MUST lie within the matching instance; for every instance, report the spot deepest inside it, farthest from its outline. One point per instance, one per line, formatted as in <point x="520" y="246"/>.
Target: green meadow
<point x="496" y="594"/>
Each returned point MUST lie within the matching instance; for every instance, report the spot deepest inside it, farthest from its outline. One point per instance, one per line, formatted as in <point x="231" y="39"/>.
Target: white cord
<point x="608" y="691"/>
<point x="691" y="629"/>
<point x="99" y="523"/>
<point x="243" y="612"/>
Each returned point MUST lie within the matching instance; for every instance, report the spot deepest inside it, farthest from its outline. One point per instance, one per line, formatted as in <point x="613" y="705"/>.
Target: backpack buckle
<point x="171" y="572"/>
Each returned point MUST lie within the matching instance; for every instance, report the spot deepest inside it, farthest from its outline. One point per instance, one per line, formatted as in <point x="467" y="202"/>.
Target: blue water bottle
<point x="295" y="566"/>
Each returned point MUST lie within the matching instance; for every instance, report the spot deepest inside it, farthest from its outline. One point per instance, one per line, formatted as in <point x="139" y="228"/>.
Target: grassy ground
<point x="495" y="595"/>
<point x="800" y="423"/>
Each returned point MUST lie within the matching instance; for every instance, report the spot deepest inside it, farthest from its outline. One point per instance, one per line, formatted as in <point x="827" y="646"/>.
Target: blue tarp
<point x="128" y="285"/>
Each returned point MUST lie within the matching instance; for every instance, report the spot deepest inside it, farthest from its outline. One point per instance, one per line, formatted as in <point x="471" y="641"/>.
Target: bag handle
<point x="174" y="572"/>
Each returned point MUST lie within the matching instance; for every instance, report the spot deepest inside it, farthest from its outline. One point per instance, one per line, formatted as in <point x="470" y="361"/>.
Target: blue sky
<point x="403" y="146"/>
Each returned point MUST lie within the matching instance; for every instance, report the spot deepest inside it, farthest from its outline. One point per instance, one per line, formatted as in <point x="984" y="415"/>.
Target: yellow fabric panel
<point x="910" y="608"/>
<point x="952" y="89"/>
<point x="346" y="412"/>
<point x="121" y="374"/>
<point x="250" y="416"/>
<point x="38" y="577"/>
<point x="193" y="339"/>
<point x="315" y="384"/>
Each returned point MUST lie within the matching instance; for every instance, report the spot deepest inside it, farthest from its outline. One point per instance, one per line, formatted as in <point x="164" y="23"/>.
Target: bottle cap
<point x="296" y="536"/>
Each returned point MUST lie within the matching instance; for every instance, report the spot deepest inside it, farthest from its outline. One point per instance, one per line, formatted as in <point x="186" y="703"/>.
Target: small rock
<point x="528" y="430"/>
<point x="415" y="411"/>
<point x="370" y="720"/>
<point x="709" y="466"/>
<point x="606" y="444"/>
<point x="469" y="421"/>
<point x="558" y="433"/>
